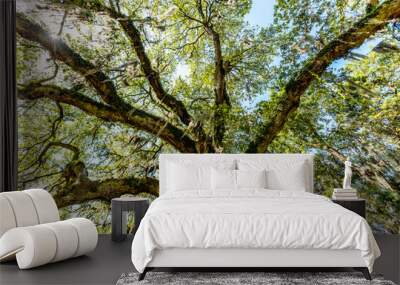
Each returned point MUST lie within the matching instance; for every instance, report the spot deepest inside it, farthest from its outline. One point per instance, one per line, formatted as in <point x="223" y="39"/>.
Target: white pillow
<point x="282" y="174"/>
<point x="187" y="174"/>
<point x="223" y="179"/>
<point x="251" y="178"/>
<point x="293" y="178"/>
<point x="227" y="179"/>
<point x="183" y="178"/>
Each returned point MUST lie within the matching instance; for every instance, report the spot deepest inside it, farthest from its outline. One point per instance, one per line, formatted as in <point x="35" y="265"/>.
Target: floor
<point x="102" y="266"/>
<point x="111" y="259"/>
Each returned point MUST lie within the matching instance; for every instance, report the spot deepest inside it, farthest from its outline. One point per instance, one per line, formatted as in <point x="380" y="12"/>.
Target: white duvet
<point x="254" y="218"/>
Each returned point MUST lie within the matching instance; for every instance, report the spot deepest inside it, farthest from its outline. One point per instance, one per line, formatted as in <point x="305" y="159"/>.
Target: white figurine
<point x="347" y="174"/>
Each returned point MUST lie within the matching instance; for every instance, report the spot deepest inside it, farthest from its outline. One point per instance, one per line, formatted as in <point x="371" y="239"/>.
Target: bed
<point x="246" y="211"/>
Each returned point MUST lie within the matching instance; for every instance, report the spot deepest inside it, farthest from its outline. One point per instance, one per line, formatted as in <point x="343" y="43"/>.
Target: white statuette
<point x="347" y="174"/>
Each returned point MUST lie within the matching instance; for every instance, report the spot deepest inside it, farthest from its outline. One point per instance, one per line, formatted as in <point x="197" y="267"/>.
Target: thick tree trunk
<point x="222" y="102"/>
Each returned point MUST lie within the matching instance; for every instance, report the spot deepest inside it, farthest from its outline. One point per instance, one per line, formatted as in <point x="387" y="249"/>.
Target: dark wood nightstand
<point x="119" y="210"/>
<point x="355" y="205"/>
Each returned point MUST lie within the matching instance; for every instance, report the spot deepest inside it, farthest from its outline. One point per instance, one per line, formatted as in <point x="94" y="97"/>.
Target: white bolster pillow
<point x="32" y="246"/>
<point x="7" y="218"/>
<point x="45" y="205"/>
<point x="40" y="244"/>
<point x="87" y="235"/>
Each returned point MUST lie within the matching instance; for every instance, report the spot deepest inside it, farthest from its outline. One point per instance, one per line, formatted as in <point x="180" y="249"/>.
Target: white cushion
<point x="7" y="220"/>
<point x="45" y="205"/>
<point x="40" y="244"/>
<point x="251" y="178"/>
<point x="87" y="235"/>
<point x="185" y="175"/>
<point x="226" y="179"/>
<point x="223" y="179"/>
<point x="31" y="233"/>
<point x="23" y="208"/>
<point x="188" y="178"/>
<point x="26" y="208"/>
<point x="67" y="240"/>
<point x="32" y="246"/>
<point x="283" y="174"/>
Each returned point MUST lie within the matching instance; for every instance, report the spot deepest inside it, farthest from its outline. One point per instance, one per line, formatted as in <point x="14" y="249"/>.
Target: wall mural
<point x="105" y="86"/>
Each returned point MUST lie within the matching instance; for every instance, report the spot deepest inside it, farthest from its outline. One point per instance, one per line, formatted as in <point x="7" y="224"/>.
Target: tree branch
<point x="70" y="147"/>
<point x="136" y="118"/>
<point x="105" y="88"/>
<point x="104" y="190"/>
<point x="79" y="188"/>
<point x="222" y="102"/>
<point x="154" y="80"/>
<point x="61" y="51"/>
<point x="338" y="48"/>
<point x="153" y="77"/>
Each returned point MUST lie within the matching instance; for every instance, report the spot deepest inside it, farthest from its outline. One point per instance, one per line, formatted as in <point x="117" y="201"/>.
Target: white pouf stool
<point x="31" y="232"/>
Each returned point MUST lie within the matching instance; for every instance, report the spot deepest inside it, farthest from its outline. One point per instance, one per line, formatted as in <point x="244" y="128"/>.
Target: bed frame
<point x="246" y="259"/>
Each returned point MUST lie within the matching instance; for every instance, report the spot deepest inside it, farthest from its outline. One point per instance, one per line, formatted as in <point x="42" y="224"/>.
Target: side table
<point x="355" y="205"/>
<point x="119" y="210"/>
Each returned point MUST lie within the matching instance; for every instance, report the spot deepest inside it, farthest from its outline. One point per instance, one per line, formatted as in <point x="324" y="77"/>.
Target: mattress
<point x="250" y="219"/>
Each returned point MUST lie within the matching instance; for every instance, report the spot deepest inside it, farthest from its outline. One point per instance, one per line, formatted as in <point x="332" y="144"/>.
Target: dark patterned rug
<point x="236" y="278"/>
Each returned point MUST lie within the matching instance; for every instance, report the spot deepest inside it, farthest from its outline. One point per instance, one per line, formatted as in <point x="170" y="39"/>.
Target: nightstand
<point x="355" y="205"/>
<point x="119" y="211"/>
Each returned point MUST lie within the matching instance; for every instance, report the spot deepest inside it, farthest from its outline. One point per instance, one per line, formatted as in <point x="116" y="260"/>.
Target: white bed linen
<point x="252" y="218"/>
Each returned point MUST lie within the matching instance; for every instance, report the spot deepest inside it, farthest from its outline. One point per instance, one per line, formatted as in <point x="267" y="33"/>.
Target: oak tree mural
<point x="107" y="85"/>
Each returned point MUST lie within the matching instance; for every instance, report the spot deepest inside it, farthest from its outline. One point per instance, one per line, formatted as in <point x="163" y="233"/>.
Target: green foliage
<point x="352" y="110"/>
